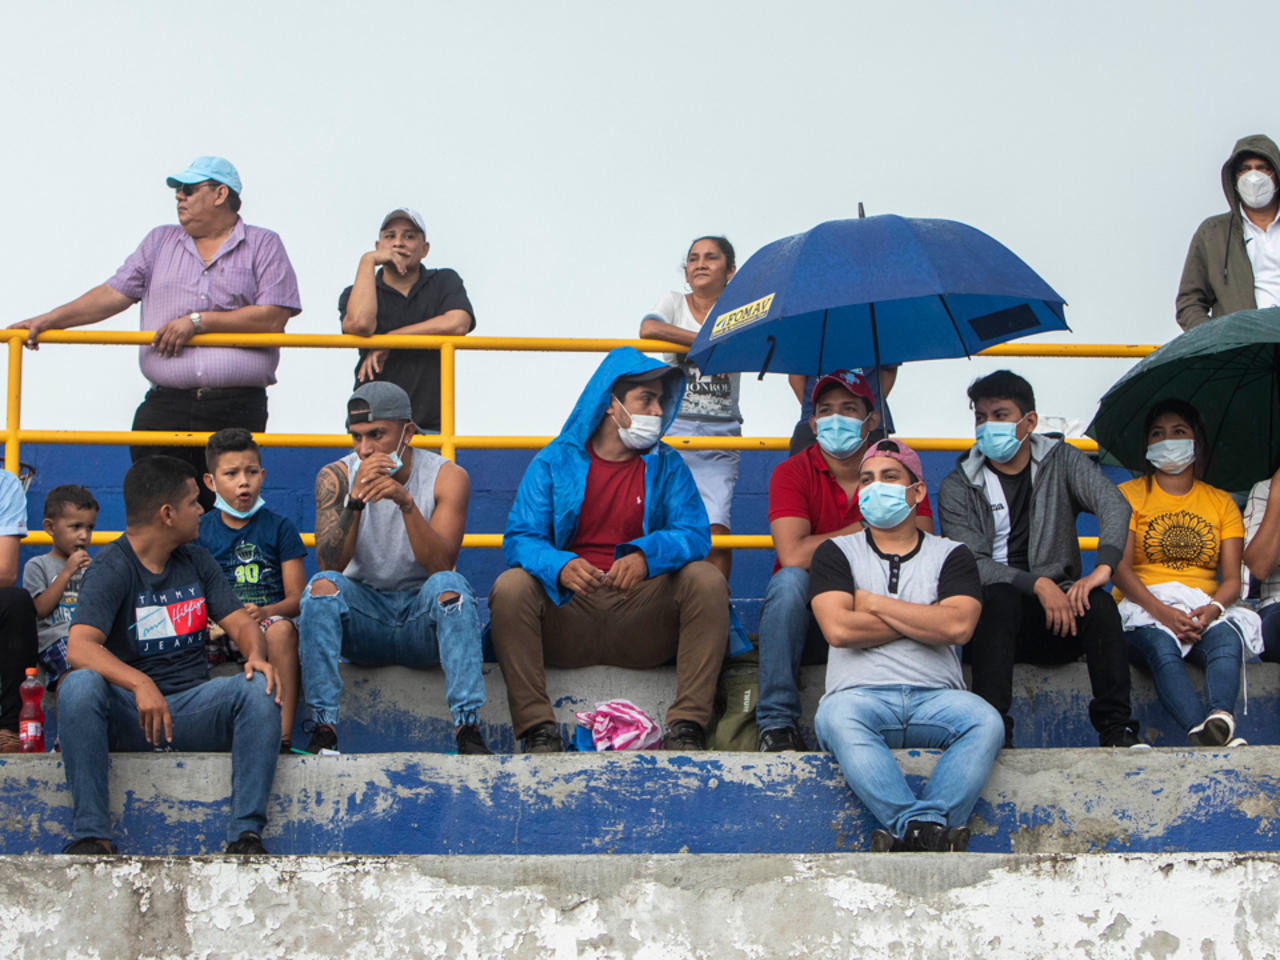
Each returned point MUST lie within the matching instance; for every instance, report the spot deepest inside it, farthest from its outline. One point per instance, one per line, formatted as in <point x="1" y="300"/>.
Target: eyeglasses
<point x="187" y="189"/>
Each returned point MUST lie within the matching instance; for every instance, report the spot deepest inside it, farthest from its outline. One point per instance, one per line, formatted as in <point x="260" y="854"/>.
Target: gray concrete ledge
<point x="901" y="906"/>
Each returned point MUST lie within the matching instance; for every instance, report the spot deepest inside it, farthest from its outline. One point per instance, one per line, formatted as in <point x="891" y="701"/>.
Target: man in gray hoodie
<point x="1234" y="260"/>
<point x="1013" y="501"/>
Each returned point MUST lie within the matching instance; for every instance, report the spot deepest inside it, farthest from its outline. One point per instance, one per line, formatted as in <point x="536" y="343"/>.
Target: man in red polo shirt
<point x="813" y="497"/>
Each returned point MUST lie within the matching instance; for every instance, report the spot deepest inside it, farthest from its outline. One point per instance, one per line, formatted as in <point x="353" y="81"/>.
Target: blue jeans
<point x="1270" y="615"/>
<point x="226" y="713"/>
<point x="785" y="627"/>
<point x="1219" y="651"/>
<point x="378" y="628"/>
<point x="860" y="725"/>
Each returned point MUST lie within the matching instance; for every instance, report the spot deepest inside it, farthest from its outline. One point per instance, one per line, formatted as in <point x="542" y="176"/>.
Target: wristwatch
<point x="352" y="504"/>
<point x="195" y="320"/>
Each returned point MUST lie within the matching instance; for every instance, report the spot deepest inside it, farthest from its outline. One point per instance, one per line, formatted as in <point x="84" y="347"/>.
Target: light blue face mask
<point x="883" y="505"/>
<point x="396" y="461"/>
<point x="239" y="514"/>
<point x="839" y="436"/>
<point x="998" y="439"/>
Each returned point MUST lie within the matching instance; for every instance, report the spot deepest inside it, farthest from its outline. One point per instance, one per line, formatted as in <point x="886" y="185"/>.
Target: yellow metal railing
<point x="448" y="441"/>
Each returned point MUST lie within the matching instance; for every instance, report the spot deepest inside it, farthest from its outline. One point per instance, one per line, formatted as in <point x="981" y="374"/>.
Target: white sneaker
<point x="1215" y="730"/>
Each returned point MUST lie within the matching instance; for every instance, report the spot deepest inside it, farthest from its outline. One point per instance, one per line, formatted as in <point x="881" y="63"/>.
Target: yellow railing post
<point x="13" y="408"/>
<point x="448" y="420"/>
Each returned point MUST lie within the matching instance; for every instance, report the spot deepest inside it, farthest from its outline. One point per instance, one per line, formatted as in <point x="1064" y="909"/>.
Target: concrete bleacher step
<point x="673" y="907"/>
<point x="1037" y="801"/>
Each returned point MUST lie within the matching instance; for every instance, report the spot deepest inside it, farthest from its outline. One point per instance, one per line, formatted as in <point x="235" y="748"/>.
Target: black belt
<point x="210" y="393"/>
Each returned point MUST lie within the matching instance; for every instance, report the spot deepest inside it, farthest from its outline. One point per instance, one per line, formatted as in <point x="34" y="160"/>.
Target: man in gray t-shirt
<point x="896" y="604"/>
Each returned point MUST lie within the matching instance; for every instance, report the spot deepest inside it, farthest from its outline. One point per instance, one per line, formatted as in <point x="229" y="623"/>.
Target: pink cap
<point x="896" y="450"/>
<point x="855" y="383"/>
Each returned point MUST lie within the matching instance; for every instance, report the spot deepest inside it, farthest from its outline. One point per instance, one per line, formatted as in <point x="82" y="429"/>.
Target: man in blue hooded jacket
<point x="605" y="541"/>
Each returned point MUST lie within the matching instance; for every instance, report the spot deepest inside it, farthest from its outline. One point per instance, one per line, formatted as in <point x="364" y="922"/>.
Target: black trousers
<point x="211" y="409"/>
<point x="17" y="650"/>
<point x="1012" y="630"/>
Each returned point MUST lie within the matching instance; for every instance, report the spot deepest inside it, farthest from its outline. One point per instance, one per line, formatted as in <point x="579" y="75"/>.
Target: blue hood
<point x="594" y="399"/>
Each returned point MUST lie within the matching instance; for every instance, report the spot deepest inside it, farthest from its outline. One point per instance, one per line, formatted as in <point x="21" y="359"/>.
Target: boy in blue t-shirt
<point x="261" y="554"/>
<point x="53" y="579"/>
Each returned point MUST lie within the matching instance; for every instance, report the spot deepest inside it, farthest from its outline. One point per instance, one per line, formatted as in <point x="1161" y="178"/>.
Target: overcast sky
<point x="564" y="155"/>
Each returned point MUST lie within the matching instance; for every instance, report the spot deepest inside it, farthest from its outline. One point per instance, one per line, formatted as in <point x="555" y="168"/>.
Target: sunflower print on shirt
<point x="1181" y="540"/>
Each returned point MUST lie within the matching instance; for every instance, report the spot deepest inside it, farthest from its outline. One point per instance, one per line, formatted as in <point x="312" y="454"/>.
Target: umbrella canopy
<point x="885" y="289"/>
<point x="1229" y="370"/>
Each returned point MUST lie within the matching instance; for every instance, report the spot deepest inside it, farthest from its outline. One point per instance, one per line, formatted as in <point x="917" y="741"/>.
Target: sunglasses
<point x="187" y="189"/>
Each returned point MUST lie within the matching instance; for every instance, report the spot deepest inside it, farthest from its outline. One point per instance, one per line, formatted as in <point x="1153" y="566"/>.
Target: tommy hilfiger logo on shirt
<point x="169" y="620"/>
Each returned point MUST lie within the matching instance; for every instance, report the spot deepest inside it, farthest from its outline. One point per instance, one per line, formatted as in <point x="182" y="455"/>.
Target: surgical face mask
<point x="396" y="461"/>
<point x="643" y="432"/>
<point x="839" y="436"/>
<point x="1256" y="189"/>
<point x="225" y="507"/>
<point x="998" y="439"/>
<point x="883" y="505"/>
<point x="1172" y="456"/>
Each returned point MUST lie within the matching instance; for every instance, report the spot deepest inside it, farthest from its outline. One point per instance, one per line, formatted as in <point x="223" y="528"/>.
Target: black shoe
<point x="778" y="739"/>
<point x="1008" y="732"/>
<point x="247" y="843"/>
<point x="286" y="746"/>
<point x="544" y="738"/>
<point x="685" y="736"/>
<point x="1215" y="730"/>
<point x="1124" y="737"/>
<point x="925" y="836"/>
<point x="957" y="839"/>
<point x="882" y="841"/>
<point x="90" y="846"/>
<point x="470" y="741"/>
<point x="323" y="737"/>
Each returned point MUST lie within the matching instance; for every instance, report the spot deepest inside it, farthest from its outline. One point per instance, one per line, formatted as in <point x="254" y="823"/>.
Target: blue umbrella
<point x="879" y="290"/>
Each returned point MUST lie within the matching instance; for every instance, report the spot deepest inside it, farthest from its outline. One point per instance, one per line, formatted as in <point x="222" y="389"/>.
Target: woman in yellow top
<point x="1180" y="575"/>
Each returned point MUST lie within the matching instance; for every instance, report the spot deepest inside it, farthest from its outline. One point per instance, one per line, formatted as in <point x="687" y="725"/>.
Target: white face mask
<point x="643" y="432"/>
<point x="1172" y="456"/>
<point x="1256" y="189"/>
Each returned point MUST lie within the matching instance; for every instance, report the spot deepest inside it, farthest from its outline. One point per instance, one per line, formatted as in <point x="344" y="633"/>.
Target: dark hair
<point x="1179" y="408"/>
<point x="233" y="200"/>
<point x="1003" y="385"/>
<point x="153" y="482"/>
<point x="1244" y="155"/>
<point x="229" y="440"/>
<point x="67" y="495"/>
<point x="725" y="247"/>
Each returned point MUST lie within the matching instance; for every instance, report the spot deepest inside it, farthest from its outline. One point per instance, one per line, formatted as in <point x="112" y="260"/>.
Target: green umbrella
<point x="1229" y="370"/>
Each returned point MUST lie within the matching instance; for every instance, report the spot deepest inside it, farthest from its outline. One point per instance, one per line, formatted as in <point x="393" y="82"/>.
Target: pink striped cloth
<point x="166" y="273"/>
<point x="621" y="725"/>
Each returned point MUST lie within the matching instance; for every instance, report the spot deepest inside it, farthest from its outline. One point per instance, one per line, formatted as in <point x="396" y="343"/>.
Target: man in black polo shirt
<point x="407" y="298"/>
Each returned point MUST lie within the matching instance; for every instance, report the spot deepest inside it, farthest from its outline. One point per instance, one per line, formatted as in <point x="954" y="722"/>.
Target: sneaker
<point x="286" y="747"/>
<point x="778" y="739"/>
<point x="324" y="740"/>
<point x="10" y="742"/>
<point x="247" y="843"/>
<point x="685" y="736"/>
<point x="1215" y="730"/>
<point x="1237" y="742"/>
<point x="544" y="738"/>
<point x="925" y="836"/>
<point x="1124" y="737"/>
<point x="90" y="846"/>
<point x="470" y="741"/>
<point x="882" y="841"/>
<point x="958" y="837"/>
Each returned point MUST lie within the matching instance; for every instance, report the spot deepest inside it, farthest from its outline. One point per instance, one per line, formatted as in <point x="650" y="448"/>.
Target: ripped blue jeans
<point x="377" y="628"/>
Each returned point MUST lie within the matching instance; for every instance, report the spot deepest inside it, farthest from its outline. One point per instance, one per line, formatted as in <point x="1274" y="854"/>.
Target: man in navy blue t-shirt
<point x="140" y="679"/>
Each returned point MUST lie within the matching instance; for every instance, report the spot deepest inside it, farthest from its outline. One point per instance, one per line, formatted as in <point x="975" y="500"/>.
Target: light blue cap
<point x="207" y="168"/>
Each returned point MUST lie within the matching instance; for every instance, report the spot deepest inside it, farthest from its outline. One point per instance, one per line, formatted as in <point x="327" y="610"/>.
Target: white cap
<point x="405" y="213"/>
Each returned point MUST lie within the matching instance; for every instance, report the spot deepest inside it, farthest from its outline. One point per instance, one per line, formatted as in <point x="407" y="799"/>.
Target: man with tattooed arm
<point x="389" y="524"/>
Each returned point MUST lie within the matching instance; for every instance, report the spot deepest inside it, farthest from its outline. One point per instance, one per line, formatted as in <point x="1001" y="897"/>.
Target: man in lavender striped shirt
<point x="209" y="273"/>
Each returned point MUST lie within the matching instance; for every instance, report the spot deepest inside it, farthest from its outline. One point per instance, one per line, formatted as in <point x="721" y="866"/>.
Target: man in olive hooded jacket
<point x="1234" y="260"/>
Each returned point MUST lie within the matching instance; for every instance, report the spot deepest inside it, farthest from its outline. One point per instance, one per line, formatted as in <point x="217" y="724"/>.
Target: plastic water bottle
<point x="31" y="719"/>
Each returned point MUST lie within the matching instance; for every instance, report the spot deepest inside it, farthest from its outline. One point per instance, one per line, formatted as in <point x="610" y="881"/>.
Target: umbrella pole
<point x="875" y="371"/>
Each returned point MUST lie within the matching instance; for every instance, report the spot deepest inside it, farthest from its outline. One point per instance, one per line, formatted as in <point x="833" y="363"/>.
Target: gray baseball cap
<point x="378" y="400"/>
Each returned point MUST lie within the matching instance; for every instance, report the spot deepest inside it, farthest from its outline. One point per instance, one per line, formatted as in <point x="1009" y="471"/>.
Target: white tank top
<point x="383" y="558"/>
